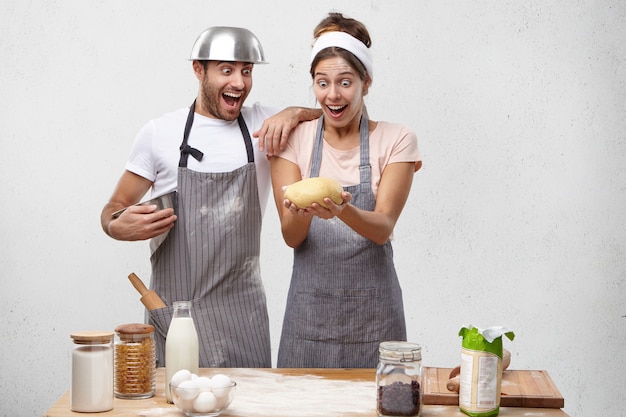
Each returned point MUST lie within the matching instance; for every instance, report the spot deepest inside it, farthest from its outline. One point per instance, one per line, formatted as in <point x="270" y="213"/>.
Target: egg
<point x="220" y="381"/>
<point x="203" y="383"/>
<point x="220" y="384"/>
<point x="184" y="404"/>
<point x="205" y="402"/>
<point x="187" y="390"/>
<point x="180" y="376"/>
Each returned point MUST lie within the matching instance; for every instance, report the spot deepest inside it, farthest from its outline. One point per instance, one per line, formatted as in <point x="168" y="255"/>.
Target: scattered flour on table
<point x="160" y="412"/>
<point x="262" y="393"/>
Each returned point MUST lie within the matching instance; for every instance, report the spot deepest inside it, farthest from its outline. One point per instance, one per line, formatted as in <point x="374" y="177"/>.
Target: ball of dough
<point x="313" y="190"/>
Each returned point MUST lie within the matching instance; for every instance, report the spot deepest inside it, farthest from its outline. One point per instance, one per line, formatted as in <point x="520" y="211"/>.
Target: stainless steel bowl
<point x="162" y="202"/>
<point x="223" y="43"/>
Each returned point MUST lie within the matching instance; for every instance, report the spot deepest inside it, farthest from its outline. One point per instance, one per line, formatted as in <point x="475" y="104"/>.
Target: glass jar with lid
<point x="91" y="389"/>
<point x="399" y="379"/>
<point x="135" y="361"/>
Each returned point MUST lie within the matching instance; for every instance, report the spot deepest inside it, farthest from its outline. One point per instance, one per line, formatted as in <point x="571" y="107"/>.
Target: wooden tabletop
<point x="287" y="393"/>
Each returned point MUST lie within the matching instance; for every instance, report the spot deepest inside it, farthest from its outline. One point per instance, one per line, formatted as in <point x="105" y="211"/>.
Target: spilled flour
<point x="262" y="393"/>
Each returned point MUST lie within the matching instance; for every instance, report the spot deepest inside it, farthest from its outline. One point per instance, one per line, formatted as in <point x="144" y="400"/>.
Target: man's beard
<point x="211" y="100"/>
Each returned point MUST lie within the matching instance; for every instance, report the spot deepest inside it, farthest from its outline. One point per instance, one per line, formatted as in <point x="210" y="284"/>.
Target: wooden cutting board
<point x="520" y="388"/>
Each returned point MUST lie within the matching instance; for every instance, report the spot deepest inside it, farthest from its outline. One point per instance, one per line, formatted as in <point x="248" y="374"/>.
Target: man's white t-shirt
<point x="156" y="150"/>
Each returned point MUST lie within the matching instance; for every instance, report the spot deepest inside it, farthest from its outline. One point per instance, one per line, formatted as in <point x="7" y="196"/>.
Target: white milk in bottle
<point x="181" y="344"/>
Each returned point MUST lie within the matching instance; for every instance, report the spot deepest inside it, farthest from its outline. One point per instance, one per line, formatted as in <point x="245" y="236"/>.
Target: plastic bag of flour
<point x="481" y="370"/>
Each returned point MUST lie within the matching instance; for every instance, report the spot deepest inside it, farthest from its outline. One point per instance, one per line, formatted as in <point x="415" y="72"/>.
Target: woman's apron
<point x="211" y="257"/>
<point x="344" y="297"/>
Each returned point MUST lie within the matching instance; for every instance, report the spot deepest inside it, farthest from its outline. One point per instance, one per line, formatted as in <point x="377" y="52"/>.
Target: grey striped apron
<point x="344" y="297"/>
<point x="211" y="257"/>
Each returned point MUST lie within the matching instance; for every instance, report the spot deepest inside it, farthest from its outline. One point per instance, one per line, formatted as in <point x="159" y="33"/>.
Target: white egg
<point x="180" y="376"/>
<point x="220" y="381"/>
<point x="222" y="402"/>
<point x="220" y="384"/>
<point x="203" y="383"/>
<point x="205" y="402"/>
<point x="187" y="390"/>
<point x="183" y="404"/>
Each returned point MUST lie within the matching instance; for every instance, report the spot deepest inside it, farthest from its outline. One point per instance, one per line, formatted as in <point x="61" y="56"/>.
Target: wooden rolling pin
<point x="149" y="298"/>
<point x="455" y="380"/>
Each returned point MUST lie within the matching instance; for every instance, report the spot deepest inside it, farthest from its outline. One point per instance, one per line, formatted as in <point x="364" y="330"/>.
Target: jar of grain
<point x="135" y="361"/>
<point x="399" y="379"/>
<point x="91" y="389"/>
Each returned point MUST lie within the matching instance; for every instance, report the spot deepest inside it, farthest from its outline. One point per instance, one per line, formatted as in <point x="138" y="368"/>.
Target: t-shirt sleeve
<point x="299" y="147"/>
<point x="290" y="153"/>
<point x="259" y="113"/>
<point x="140" y="160"/>
<point x="405" y="148"/>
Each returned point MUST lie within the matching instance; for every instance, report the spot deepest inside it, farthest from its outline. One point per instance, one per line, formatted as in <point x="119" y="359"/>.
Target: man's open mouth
<point x="231" y="98"/>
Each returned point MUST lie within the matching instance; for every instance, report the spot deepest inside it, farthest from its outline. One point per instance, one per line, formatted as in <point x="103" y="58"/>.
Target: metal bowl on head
<point x="162" y="202"/>
<point x="224" y="43"/>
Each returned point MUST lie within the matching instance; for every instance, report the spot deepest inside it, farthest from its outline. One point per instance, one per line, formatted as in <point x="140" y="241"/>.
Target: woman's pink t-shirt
<point x="389" y="143"/>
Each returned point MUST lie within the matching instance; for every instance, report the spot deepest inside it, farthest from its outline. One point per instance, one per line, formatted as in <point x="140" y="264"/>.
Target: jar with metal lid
<point x="92" y="372"/>
<point x="399" y="379"/>
<point x="135" y="361"/>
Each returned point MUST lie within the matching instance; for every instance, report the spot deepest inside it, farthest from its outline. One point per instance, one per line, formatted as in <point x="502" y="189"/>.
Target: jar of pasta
<point x="135" y="361"/>
<point x="398" y="379"/>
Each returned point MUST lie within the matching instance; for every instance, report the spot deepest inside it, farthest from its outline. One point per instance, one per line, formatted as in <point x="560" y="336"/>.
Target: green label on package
<point x="481" y="370"/>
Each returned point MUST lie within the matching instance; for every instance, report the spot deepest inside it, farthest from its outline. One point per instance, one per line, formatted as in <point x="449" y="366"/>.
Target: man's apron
<point x="344" y="297"/>
<point x="211" y="257"/>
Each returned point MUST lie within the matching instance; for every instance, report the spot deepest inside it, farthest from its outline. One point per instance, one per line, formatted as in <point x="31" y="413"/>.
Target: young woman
<point x="344" y="297"/>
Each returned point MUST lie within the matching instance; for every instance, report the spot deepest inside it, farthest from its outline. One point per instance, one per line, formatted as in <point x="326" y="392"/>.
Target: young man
<point x="207" y="249"/>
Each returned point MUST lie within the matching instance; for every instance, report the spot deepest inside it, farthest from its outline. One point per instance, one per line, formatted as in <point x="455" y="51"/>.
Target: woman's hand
<point x="333" y="210"/>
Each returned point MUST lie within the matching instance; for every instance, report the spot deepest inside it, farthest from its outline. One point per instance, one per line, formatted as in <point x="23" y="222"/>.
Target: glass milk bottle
<point x="92" y="372"/>
<point x="181" y="344"/>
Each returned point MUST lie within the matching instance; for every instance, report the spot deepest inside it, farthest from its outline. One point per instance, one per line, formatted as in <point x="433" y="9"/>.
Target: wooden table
<point x="288" y="393"/>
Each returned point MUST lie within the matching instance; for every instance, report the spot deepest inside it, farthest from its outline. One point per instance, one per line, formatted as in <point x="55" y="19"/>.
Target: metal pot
<point x="162" y="202"/>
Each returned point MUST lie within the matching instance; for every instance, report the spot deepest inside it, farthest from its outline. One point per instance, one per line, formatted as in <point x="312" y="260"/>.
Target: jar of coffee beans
<point x="399" y="379"/>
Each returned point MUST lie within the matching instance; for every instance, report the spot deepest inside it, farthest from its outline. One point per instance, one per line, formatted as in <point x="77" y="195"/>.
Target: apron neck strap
<point x="246" y="137"/>
<point x="364" y="161"/>
<point x="186" y="150"/>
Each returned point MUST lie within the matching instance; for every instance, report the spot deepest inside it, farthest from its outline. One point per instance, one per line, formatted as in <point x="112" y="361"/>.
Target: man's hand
<point x="137" y="222"/>
<point x="274" y="131"/>
<point x="141" y="222"/>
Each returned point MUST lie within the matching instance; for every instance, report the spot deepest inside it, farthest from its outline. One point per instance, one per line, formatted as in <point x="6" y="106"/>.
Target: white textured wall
<point x="517" y="217"/>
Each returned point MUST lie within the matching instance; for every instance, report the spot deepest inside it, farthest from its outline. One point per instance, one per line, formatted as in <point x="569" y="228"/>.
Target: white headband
<point x="347" y="42"/>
